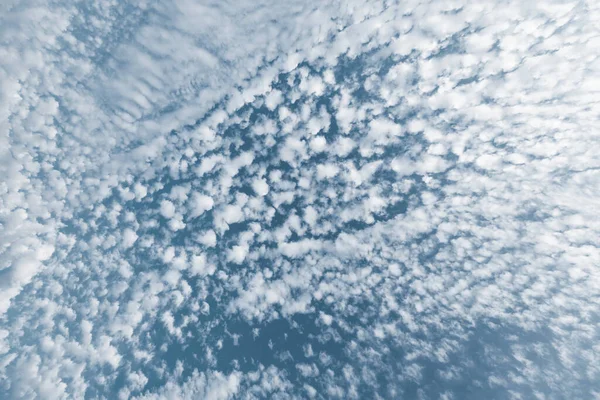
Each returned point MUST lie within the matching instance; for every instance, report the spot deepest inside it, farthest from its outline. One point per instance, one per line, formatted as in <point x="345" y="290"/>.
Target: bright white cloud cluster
<point x="299" y="200"/>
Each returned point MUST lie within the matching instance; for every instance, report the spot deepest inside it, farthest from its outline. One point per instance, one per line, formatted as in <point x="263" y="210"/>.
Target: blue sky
<point x="276" y="199"/>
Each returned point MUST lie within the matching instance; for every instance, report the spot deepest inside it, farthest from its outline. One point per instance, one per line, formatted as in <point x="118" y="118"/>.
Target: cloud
<point x="409" y="189"/>
<point x="200" y="204"/>
<point x="261" y="187"/>
<point x="211" y="385"/>
<point x="129" y="238"/>
<point x="167" y="209"/>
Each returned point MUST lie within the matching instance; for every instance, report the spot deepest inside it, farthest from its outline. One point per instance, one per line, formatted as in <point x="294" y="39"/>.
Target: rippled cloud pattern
<point x="261" y="199"/>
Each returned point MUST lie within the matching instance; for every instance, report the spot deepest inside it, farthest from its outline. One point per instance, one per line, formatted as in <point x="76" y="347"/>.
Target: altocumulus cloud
<point x="277" y="199"/>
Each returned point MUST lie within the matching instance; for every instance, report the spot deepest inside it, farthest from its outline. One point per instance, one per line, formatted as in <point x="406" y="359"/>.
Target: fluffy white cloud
<point x="261" y="187"/>
<point x="200" y="204"/>
<point x="167" y="209"/>
<point x="455" y="156"/>
<point x="129" y="237"/>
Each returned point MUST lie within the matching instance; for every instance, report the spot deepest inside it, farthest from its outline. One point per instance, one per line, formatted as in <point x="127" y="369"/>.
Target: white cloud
<point x="260" y="187"/>
<point x="237" y="254"/>
<point x="167" y="209"/>
<point x="129" y="238"/>
<point x="472" y="197"/>
<point x="208" y="385"/>
<point x="208" y="238"/>
<point x="200" y="204"/>
<point x="318" y="144"/>
<point x="327" y="171"/>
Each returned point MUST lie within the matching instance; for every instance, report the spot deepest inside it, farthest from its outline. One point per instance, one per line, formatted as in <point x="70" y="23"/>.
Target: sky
<point x="276" y="199"/>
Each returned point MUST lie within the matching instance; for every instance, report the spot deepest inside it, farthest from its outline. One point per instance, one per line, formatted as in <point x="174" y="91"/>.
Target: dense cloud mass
<point x="267" y="199"/>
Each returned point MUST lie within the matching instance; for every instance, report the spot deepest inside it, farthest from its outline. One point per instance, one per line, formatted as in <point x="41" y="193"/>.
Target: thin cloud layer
<point x="298" y="200"/>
